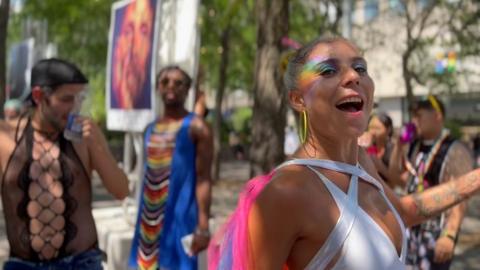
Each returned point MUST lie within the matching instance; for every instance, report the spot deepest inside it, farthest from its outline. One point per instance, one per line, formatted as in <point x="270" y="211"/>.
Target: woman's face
<point x="336" y="89"/>
<point x="377" y="129"/>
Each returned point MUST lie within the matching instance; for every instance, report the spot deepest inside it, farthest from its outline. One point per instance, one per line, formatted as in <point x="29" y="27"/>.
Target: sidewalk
<point x="225" y="194"/>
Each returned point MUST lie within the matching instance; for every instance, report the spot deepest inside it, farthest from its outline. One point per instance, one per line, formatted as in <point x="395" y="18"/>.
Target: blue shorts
<point x="88" y="260"/>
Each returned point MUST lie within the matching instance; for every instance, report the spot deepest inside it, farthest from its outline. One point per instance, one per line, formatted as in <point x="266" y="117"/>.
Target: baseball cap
<point x="54" y="72"/>
<point x="429" y="102"/>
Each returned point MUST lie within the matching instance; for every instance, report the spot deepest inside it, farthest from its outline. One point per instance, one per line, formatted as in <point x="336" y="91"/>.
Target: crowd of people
<point x="357" y="195"/>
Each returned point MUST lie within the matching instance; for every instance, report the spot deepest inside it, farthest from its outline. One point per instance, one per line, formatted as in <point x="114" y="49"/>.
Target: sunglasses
<point x="177" y="83"/>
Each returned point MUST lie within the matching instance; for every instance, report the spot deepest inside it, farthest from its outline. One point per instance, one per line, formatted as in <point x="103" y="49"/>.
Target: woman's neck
<point x="345" y="151"/>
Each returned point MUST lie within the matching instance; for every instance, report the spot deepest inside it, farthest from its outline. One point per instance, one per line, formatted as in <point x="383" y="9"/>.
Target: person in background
<point x="12" y="109"/>
<point x="46" y="186"/>
<point x="172" y="223"/>
<point x="433" y="158"/>
<point x="378" y="142"/>
<point x="476" y="149"/>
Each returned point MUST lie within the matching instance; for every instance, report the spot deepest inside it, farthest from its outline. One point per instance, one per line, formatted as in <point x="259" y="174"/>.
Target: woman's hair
<point x="298" y="60"/>
<point x="385" y="120"/>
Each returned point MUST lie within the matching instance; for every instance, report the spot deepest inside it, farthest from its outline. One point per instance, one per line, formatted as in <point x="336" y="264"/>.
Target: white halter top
<point x="362" y="242"/>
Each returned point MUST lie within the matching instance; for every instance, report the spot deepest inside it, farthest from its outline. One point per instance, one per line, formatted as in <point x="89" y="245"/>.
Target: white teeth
<point x="350" y="99"/>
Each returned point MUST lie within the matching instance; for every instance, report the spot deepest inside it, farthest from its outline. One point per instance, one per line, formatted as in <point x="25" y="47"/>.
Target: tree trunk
<point x="407" y="78"/>
<point x="222" y="82"/>
<point x="269" y="109"/>
<point x="4" y="12"/>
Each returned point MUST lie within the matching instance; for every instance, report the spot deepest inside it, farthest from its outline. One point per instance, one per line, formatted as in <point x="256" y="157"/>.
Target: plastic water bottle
<point x="73" y="129"/>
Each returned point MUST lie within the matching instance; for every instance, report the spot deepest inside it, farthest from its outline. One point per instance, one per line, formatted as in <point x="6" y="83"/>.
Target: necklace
<point x="425" y="160"/>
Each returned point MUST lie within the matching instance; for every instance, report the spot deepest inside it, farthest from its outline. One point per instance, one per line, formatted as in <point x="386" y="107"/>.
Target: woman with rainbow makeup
<point x="327" y="208"/>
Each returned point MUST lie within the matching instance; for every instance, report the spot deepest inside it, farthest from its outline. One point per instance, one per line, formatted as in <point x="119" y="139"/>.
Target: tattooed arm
<point x="460" y="184"/>
<point x="418" y="207"/>
<point x="458" y="162"/>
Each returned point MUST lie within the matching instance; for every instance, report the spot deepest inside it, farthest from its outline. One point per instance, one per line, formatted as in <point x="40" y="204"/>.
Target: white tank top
<point x="362" y="242"/>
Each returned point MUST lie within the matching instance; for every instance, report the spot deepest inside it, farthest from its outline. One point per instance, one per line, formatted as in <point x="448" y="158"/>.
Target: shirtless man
<point x="46" y="179"/>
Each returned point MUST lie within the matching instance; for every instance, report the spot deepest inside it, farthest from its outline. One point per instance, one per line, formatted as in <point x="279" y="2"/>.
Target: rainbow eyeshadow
<point x="315" y="66"/>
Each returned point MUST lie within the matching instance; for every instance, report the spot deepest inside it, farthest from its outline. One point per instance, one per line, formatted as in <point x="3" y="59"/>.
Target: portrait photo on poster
<point x="131" y="61"/>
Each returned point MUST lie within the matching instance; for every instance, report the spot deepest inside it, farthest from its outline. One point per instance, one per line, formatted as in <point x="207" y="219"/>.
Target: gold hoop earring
<point x="302" y="130"/>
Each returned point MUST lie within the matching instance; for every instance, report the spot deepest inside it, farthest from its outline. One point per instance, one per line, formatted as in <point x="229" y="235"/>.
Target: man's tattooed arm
<point x="459" y="161"/>
<point x="419" y="207"/>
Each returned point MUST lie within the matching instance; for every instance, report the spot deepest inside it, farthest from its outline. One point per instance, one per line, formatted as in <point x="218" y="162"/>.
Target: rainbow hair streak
<point x="229" y="248"/>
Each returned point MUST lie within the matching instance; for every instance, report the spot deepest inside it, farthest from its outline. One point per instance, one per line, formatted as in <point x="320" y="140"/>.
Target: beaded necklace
<point x="425" y="160"/>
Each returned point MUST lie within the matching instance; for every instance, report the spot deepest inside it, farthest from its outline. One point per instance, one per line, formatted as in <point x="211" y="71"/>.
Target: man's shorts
<point x="88" y="260"/>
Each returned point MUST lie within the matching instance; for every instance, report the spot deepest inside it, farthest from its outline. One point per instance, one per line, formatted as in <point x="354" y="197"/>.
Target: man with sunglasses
<point x="432" y="158"/>
<point x="172" y="224"/>
<point x="46" y="183"/>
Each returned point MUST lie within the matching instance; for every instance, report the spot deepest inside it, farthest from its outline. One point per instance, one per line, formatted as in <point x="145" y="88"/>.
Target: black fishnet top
<point x="46" y="195"/>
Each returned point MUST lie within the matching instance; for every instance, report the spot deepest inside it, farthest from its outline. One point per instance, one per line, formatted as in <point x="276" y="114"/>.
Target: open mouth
<point x="351" y="104"/>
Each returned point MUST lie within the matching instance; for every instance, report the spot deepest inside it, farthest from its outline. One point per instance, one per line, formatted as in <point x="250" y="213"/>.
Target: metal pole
<point x="347" y="19"/>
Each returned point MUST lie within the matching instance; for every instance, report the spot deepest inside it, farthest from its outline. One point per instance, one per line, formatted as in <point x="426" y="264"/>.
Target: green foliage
<point x="79" y="28"/>
<point x="456" y="30"/>
<point x="225" y="126"/>
<point x="14" y="33"/>
<point x="306" y="23"/>
<point x="95" y="103"/>
<point x="241" y="121"/>
<point x="80" y="31"/>
<point x="455" y="128"/>
<point x="215" y="15"/>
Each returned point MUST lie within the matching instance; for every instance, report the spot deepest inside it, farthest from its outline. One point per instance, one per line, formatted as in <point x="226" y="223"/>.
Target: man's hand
<point x="91" y="133"/>
<point x="200" y="242"/>
<point x="444" y="249"/>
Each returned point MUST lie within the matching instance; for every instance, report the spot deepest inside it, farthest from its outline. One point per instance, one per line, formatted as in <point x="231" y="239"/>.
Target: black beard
<point x="48" y="117"/>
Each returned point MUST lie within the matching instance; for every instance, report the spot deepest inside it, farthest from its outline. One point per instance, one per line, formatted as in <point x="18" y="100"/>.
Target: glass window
<point x="397" y="6"/>
<point x="371" y="9"/>
<point x="424" y="3"/>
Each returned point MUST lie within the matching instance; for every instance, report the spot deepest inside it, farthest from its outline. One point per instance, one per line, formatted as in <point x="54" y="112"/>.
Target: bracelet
<point x="202" y="232"/>
<point x="450" y="235"/>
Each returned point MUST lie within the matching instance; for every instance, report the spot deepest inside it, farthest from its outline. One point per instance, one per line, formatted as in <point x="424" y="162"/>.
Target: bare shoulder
<point x="9" y="128"/>
<point x="199" y="128"/>
<point x="7" y="139"/>
<point x="459" y="160"/>
<point x="291" y="189"/>
<point x="4" y="127"/>
<point x="459" y="149"/>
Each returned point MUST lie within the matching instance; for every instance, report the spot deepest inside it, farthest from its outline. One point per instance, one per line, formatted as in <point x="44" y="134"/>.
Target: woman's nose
<point x="351" y="76"/>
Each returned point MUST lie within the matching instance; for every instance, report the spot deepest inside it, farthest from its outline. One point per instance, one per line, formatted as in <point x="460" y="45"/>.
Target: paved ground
<point x="225" y="196"/>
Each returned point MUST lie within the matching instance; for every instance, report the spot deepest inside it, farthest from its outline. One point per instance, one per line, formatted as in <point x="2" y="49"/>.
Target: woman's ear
<point x="296" y="100"/>
<point x="37" y="94"/>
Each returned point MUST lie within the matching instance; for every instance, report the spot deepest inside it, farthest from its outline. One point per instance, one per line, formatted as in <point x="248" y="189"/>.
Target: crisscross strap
<point x="336" y="166"/>
<point x="353" y="170"/>
<point x="348" y="208"/>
